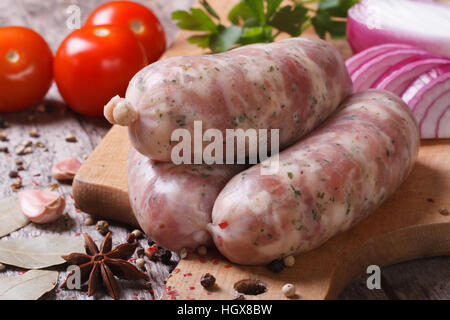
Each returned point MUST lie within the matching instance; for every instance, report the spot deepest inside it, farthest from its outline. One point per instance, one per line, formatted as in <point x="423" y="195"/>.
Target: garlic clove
<point x="41" y="206"/>
<point x="120" y="111"/>
<point x="66" y="169"/>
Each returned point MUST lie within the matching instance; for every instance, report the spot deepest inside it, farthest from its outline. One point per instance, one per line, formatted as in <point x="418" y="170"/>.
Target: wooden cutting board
<point x="413" y="223"/>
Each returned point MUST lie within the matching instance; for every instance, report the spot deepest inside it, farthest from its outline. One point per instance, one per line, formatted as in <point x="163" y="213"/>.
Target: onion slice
<point x="424" y="24"/>
<point x="368" y="74"/>
<point x="430" y="105"/>
<point x="401" y="76"/>
<point x="422" y="81"/>
<point x="361" y="58"/>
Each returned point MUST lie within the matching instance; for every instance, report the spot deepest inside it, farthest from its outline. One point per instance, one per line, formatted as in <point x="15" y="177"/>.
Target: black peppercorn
<point x="276" y="266"/>
<point x="207" y="280"/>
<point x="164" y="255"/>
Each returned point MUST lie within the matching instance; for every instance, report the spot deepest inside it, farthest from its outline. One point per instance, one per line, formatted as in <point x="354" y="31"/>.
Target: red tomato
<point x="26" y="63"/>
<point x="141" y="20"/>
<point x="95" y="63"/>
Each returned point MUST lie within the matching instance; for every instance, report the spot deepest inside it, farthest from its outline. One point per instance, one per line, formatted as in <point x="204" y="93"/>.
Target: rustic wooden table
<point x="420" y="279"/>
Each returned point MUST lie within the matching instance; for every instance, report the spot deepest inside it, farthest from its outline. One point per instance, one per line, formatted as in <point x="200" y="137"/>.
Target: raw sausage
<point x="173" y="204"/>
<point x="326" y="183"/>
<point x="291" y="85"/>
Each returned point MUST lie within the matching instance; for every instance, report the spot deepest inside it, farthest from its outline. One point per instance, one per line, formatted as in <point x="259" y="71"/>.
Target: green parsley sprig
<point x="254" y="21"/>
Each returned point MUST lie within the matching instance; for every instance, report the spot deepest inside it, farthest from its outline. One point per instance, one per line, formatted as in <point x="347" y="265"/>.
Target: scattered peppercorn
<point x="89" y="221"/>
<point x="288" y="290"/>
<point x="19" y="162"/>
<point x="102" y="226"/>
<point x="16" y="186"/>
<point x="183" y="253"/>
<point x="164" y="255"/>
<point x="20" y="168"/>
<point x="202" y="250"/>
<point x="276" y="266"/>
<point x="71" y="139"/>
<point x="33" y="133"/>
<point x="3" y="136"/>
<point x="4" y="149"/>
<point x="140" y="263"/>
<point x="207" y="280"/>
<point x="13" y="174"/>
<point x="140" y="251"/>
<point x="137" y="233"/>
<point x="289" y="261"/>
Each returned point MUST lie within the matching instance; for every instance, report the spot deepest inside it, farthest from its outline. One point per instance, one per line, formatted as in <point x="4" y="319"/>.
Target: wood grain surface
<point x="420" y="279"/>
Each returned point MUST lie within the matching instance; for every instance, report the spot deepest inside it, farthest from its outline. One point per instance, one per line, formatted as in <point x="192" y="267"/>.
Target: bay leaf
<point x="11" y="217"/>
<point x="39" y="252"/>
<point x="29" y="286"/>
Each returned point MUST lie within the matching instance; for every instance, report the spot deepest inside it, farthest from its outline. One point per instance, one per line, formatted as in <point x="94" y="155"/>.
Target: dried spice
<point x="289" y="261"/>
<point x="3" y="136"/>
<point x="104" y="264"/>
<point x="16" y="186"/>
<point x="444" y="211"/>
<point x="13" y="174"/>
<point x="140" y="263"/>
<point x="102" y="226"/>
<point x="183" y="253"/>
<point x="89" y="222"/>
<point x="288" y="290"/>
<point x="4" y="149"/>
<point x="71" y="138"/>
<point x="131" y="237"/>
<point x="33" y="133"/>
<point x="202" y="250"/>
<point x="276" y="266"/>
<point x="29" y="285"/>
<point x="38" y="252"/>
<point x="165" y="256"/>
<point x="140" y="251"/>
<point x="137" y="233"/>
<point x="207" y="280"/>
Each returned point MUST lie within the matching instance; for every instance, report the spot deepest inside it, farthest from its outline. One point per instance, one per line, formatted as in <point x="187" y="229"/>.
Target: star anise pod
<point x="104" y="264"/>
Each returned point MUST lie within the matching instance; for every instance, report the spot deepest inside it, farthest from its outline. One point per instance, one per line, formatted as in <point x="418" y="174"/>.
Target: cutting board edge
<point x="88" y="198"/>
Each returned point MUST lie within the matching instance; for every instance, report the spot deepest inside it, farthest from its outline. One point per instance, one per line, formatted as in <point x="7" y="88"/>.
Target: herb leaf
<point x="209" y="9"/>
<point x="196" y="20"/>
<point x="225" y="38"/>
<point x="256" y="21"/>
<point x="200" y="40"/>
<point x="290" y="19"/>
<point x="256" y="7"/>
